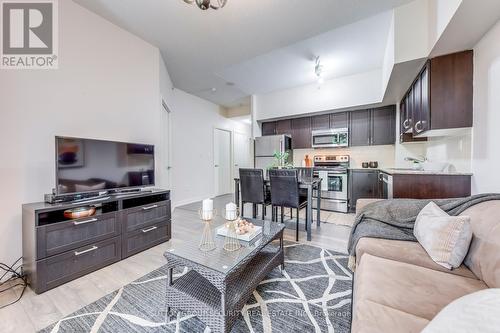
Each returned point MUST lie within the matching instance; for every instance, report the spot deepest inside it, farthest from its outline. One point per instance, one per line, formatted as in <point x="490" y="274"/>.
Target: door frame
<point x="252" y="152"/>
<point x="231" y="157"/>
<point x="166" y="142"/>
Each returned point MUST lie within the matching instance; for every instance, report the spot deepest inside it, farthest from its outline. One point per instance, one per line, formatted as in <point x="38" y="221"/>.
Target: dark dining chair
<point x="285" y="192"/>
<point x="253" y="190"/>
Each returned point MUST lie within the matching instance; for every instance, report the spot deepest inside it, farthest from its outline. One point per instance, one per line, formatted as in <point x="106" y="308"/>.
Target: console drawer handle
<point x="150" y="229"/>
<point x="85" y="222"/>
<point x="150" y="207"/>
<point x="93" y="248"/>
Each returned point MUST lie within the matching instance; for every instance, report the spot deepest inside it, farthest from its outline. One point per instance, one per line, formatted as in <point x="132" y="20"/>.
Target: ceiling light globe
<point x="203" y="4"/>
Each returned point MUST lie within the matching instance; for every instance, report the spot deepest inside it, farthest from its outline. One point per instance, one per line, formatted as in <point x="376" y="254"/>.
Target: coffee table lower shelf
<point x="218" y="302"/>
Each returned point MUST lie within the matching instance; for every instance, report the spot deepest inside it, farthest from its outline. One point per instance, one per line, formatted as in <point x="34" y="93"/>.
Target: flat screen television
<point x="88" y="165"/>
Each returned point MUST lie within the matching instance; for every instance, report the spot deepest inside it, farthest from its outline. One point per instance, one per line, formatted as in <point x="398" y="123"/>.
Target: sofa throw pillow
<point x="476" y="312"/>
<point x="445" y="238"/>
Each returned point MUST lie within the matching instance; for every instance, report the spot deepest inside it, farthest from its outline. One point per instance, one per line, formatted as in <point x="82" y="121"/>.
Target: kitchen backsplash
<point x="384" y="155"/>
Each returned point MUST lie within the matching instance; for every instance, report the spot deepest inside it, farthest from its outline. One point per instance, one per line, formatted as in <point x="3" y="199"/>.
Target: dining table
<point x="313" y="186"/>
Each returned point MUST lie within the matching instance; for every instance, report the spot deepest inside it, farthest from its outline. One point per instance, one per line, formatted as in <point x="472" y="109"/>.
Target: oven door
<point x="337" y="185"/>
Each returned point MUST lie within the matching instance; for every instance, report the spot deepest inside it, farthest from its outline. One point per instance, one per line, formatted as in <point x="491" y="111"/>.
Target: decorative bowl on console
<point x="79" y="212"/>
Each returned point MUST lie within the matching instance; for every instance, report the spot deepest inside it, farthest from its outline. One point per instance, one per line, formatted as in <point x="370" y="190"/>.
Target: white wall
<point x="193" y="122"/>
<point x="486" y="151"/>
<point x="384" y="155"/>
<point x="106" y="87"/>
<point x="109" y="85"/>
<point x="411" y="31"/>
<point x="440" y="14"/>
<point x="348" y="91"/>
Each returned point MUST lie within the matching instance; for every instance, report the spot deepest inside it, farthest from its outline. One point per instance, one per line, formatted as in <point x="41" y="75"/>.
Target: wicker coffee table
<point x="219" y="283"/>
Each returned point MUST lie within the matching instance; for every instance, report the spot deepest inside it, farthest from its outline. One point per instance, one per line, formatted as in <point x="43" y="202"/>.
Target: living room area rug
<point x="312" y="295"/>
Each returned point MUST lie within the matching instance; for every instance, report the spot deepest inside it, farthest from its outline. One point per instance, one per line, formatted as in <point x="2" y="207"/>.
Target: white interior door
<point x="222" y="161"/>
<point x="243" y="152"/>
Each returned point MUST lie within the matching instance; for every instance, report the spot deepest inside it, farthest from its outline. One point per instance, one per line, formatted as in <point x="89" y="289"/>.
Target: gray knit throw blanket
<point x="394" y="219"/>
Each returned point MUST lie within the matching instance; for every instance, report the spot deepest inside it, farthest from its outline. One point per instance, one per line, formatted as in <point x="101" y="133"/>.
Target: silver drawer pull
<point x="150" y="229"/>
<point x="85" y="222"/>
<point x="93" y="248"/>
<point x="150" y="207"/>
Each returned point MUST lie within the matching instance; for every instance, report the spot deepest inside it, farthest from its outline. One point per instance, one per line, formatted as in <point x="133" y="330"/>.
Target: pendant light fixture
<point x="207" y="4"/>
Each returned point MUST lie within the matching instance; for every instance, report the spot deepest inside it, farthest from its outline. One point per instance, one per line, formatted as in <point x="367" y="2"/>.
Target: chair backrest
<point x="305" y="174"/>
<point x="284" y="187"/>
<point x="252" y="185"/>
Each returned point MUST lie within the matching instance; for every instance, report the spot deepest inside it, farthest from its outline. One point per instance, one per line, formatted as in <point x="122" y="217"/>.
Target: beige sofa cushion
<point x="371" y="317"/>
<point x="404" y="251"/>
<point x="445" y="238"/>
<point x="484" y="254"/>
<point x="415" y="290"/>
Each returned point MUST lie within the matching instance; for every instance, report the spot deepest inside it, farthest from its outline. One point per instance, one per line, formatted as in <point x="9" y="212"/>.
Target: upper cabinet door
<point x="417" y="105"/>
<point x="451" y="88"/>
<point x="360" y="128"/>
<point x="383" y="126"/>
<point x="269" y="128"/>
<point x="425" y="108"/>
<point x="301" y="133"/>
<point x="339" y="120"/>
<point x="284" y="126"/>
<point x="321" y="122"/>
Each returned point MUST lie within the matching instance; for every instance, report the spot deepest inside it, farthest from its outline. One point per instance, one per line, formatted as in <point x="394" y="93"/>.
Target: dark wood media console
<point x="57" y="250"/>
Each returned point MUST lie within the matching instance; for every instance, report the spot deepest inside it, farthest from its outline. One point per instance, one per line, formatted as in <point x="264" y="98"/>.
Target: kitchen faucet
<point x="416" y="160"/>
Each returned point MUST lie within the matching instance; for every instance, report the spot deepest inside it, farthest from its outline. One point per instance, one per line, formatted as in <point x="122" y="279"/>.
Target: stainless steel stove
<point x="333" y="170"/>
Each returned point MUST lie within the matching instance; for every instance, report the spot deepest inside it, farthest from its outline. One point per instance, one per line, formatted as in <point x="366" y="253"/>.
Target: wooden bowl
<point x="79" y="212"/>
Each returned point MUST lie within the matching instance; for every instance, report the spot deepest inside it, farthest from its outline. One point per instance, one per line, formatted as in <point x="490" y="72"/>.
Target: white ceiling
<point x="348" y="50"/>
<point x="257" y="45"/>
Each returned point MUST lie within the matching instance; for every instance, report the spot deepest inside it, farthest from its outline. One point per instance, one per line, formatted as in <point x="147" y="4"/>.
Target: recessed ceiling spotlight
<point x="213" y="90"/>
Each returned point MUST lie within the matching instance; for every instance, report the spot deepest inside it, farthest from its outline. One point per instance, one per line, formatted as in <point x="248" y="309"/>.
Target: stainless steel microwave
<point x="338" y="137"/>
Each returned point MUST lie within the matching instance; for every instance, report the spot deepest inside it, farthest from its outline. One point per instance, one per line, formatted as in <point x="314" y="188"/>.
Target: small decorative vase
<point x="207" y="242"/>
<point x="231" y="242"/>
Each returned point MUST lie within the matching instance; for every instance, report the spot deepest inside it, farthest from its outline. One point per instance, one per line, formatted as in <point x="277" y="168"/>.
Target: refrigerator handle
<point x="282" y="146"/>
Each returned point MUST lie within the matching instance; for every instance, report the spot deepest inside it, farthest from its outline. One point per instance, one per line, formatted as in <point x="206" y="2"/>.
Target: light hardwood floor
<point x="34" y="312"/>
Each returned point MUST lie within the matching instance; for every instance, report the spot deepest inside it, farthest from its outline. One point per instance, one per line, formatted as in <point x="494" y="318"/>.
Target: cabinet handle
<point x="148" y="230"/>
<point x="85" y="222"/>
<point x="150" y="207"/>
<point x="419" y="126"/>
<point x="93" y="248"/>
<point x="406" y="124"/>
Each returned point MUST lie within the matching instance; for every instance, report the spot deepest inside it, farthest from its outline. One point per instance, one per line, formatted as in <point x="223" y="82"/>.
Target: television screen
<point x="86" y="165"/>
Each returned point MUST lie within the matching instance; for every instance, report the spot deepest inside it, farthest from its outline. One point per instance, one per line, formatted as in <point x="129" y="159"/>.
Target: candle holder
<point x="207" y="242"/>
<point x="232" y="215"/>
<point x="231" y="242"/>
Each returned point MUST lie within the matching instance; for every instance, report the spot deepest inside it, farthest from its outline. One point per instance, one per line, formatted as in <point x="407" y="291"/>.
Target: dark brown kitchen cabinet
<point x="301" y="133"/>
<point x="383" y="121"/>
<point x="422" y="186"/>
<point x="269" y="128"/>
<point x="284" y="126"/>
<point x="441" y="96"/>
<point x="321" y="122"/>
<point x="360" y="128"/>
<point x="364" y="184"/>
<point x="339" y="120"/>
<point x="373" y="126"/>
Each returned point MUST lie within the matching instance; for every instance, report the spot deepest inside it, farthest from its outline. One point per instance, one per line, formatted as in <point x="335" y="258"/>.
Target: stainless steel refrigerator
<point x="266" y="146"/>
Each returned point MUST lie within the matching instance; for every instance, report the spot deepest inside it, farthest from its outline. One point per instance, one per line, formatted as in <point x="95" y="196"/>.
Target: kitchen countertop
<point x="401" y="171"/>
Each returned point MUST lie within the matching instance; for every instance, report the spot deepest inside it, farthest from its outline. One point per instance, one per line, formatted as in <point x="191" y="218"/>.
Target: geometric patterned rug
<point x="312" y="295"/>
